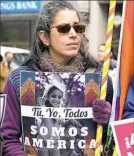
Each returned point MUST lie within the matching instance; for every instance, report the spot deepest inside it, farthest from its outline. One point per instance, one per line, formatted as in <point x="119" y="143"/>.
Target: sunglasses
<point x="65" y="28"/>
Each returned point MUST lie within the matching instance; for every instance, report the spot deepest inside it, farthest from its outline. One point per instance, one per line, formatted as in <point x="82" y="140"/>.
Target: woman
<point x="55" y="98"/>
<point x="56" y="47"/>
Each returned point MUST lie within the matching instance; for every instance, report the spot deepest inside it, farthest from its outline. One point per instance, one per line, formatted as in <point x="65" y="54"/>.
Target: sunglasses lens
<point x="64" y="28"/>
<point x="79" y="28"/>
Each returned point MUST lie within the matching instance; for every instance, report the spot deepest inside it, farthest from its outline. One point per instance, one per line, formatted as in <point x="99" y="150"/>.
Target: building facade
<point x="18" y="20"/>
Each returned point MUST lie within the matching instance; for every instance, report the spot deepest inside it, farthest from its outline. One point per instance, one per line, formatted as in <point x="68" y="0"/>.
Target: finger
<point x="104" y="116"/>
<point x="102" y="106"/>
<point x="101" y="120"/>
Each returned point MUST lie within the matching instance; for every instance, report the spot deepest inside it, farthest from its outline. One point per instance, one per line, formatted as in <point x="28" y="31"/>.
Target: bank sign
<point x="11" y="7"/>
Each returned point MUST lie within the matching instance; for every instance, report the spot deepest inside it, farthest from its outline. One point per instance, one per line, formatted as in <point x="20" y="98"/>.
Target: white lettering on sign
<point x="130" y="154"/>
<point x="26" y="5"/>
<point x="129" y="141"/>
<point x="7" y="6"/>
<point x="132" y="139"/>
<point x="19" y="5"/>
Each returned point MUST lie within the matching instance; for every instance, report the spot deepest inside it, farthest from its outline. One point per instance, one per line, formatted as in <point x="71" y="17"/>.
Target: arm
<point x="11" y="128"/>
<point x="3" y="70"/>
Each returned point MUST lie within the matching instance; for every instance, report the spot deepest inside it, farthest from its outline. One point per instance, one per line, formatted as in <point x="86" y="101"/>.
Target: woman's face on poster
<point x="55" y="98"/>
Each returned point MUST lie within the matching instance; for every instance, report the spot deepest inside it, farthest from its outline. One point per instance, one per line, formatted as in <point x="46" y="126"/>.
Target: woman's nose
<point x="57" y="100"/>
<point x="72" y="32"/>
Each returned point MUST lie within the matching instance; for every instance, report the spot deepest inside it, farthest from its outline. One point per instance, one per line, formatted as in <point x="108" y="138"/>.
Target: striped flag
<point x="127" y="54"/>
<point x="125" y="65"/>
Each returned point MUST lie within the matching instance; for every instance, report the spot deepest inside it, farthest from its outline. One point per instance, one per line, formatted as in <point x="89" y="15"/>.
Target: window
<point x="15" y="33"/>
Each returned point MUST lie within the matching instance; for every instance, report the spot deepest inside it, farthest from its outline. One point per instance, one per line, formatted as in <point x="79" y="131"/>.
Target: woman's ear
<point x="44" y="38"/>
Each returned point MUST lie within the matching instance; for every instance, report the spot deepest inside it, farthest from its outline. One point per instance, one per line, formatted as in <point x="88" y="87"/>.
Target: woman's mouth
<point x="73" y="44"/>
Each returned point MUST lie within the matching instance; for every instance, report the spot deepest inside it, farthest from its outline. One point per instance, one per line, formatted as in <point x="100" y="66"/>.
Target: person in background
<point x="113" y="62"/>
<point x="57" y="47"/>
<point x="101" y="55"/>
<point x="5" y="69"/>
<point x="9" y="58"/>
